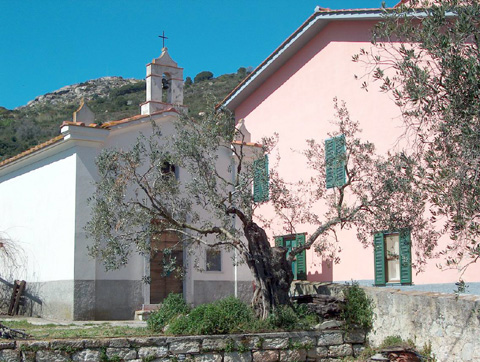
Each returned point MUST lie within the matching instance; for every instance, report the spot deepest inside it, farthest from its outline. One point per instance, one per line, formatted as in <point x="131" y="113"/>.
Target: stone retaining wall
<point x="447" y="322"/>
<point x="321" y="345"/>
<point x="450" y="324"/>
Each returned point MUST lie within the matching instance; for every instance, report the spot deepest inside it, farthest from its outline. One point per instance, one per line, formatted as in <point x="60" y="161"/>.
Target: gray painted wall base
<point x="85" y="299"/>
<point x="206" y="291"/>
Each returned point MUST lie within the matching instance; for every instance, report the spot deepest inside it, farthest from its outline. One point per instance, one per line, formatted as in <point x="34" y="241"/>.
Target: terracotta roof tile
<point x="32" y="150"/>
<point x="135" y="118"/>
<point x="58" y="138"/>
<point x="251" y="144"/>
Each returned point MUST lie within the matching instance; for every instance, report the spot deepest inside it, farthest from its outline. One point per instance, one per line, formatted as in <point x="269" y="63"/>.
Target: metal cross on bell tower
<point x="163" y="38"/>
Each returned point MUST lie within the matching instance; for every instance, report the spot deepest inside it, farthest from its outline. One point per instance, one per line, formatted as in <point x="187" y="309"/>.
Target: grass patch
<point x="54" y="331"/>
<point x="174" y="317"/>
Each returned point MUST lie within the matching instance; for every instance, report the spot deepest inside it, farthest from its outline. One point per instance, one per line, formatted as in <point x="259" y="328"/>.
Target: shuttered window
<point x="335" y="158"/>
<point x="393" y="257"/>
<point x="260" y="180"/>
<point x="299" y="265"/>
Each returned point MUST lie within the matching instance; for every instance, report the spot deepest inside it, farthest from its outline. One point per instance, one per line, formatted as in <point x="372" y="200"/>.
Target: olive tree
<point x="427" y="57"/>
<point x="138" y="197"/>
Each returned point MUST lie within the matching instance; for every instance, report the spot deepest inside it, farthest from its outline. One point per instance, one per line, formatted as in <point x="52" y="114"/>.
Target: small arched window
<point x="166" y="88"/>
<point x="168" y="169"/>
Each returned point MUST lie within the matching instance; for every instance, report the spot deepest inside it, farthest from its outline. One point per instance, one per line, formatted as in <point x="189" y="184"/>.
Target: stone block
<point x="330" y="339"/>
<point x="209" y="357"/>
<point x="154" y="351"/>
<point x="7" y="345"/>
<point x="248" y="342"/>
<point x="358" y="349"/>
<point x="185" y="346"/>
<point x="51" y="356"/>
<point x="31" y="346"/>
<point x="293" y="355"/>
<point x="124" y="353"/>
<point x="275" y="343"/>
<point x="467" y="352"/>
<point x="119" y="343"/>
<point x="343" y="350"/>
<point x="318" y="352"/>
<point x="304" y="341"/>
<point x="237" y="357"/>
<point x="66" y="344"/>
<point x="96" y="343"/>
<point x="266" y="356"/>
<point x="28" y="356"/>
<point x="87" y="355"/>
<point x="355" y="336"/>
<point x="147" y="341"/>
<point x="332" y="324"/>
<point x="9" y="355"/>
<point x="219" y="343"/>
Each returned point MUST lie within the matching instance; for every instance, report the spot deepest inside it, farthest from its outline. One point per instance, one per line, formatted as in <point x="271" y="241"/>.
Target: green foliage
<point x="104" y="357"/>
<point x="283" y="317"/>
<point x="396" y="341"/>
<point x="358" y="310"/>
<point x="173" y="305"/>
<point x="203" y="76"/>
<point x="26" y="127"/>
<point x="433" y="77"/>
<point x="229" y="315"/>
<point x="226" y="316"/>
<point x="427" y="352"/>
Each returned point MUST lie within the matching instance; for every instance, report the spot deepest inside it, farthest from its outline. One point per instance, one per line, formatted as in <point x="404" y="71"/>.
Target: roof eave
<point x="290" y="46"/>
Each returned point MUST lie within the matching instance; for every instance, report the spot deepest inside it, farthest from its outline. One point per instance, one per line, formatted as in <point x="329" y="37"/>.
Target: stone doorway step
<point x="144" y="313"/>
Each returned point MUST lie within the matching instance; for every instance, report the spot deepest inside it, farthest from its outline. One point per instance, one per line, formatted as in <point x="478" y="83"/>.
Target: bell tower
<point x="164" y="84"/>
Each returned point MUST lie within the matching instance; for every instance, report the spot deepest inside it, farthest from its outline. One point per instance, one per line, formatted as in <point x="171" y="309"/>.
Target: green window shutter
<point x="329" y="159"/>
<point x="340" y="154"/>
<point x="301" y="259"/>
<point x="335" y="158"/>
<point x="379" y="252"/>
<point x="260" y="180"/>
<point x="405" y="257"/>
<point x="279" y="241"/>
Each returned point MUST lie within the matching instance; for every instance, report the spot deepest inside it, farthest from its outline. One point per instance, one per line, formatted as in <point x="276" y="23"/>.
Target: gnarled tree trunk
<point x="269" y="266"/>
<point x="271" y="270"/>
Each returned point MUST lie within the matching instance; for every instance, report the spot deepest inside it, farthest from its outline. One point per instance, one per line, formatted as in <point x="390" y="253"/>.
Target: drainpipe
<point x="235" y="276"/>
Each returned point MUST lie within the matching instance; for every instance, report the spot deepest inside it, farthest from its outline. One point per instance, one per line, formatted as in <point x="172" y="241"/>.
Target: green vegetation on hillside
<point x="26" y="127"/>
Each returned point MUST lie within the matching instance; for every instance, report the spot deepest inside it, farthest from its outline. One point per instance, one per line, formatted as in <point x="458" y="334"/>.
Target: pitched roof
<point x="61" y="137"/>
<point x="314" y="24"/>
<point x="33" y="149"/>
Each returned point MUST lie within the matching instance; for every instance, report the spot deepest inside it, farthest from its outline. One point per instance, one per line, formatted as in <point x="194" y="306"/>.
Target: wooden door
<point x="161" y="285"/>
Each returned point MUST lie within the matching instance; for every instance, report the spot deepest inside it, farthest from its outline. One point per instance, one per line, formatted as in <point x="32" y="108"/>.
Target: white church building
<point x="44" y="210"/>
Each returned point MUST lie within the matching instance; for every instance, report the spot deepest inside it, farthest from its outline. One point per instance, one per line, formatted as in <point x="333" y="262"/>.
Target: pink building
<point x="292" y="93"/>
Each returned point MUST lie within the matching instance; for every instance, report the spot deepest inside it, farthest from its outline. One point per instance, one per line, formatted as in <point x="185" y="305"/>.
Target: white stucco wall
<point x="37" y="212"/>
<point x="44" y="207"/>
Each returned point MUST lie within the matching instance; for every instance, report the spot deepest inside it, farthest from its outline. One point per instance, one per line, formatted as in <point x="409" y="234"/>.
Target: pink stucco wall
<point x="297" y="103"/>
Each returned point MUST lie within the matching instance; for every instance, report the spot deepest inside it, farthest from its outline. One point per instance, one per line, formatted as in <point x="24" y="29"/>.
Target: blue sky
<point x="48" y="44"/>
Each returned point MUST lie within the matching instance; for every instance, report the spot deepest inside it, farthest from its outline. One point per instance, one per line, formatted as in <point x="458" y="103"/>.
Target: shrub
<point x="283" y="317"/>
<point x="229" y="315"/>
<point x="172" y="306"/>
<point x="202" y="76"/>
<point x="396" y="341"/>
<point x="358" y="310"/>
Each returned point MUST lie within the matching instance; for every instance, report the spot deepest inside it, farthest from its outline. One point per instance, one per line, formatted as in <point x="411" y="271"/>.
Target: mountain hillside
<point x="110" y="98"/>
